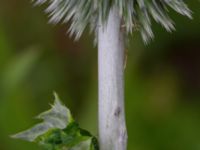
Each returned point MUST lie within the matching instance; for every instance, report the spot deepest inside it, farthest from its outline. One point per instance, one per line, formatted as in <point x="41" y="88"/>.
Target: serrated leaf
<point x="72" y="138"/>
<point x="59" y="131"/>
<point x="58" y="116"/>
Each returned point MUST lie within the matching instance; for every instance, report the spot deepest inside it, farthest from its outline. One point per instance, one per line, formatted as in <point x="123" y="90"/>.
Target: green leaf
<point x="59" y="131"/>
<point x="58" y="116"/>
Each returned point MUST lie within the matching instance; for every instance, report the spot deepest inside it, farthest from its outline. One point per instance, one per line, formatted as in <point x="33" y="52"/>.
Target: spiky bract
<point x="134" y="13"/>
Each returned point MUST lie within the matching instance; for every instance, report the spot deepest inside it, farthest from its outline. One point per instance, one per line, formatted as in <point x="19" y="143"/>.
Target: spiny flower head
<point x="134" y="13"/>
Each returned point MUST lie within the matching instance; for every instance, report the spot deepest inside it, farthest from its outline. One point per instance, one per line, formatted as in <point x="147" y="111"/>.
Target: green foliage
<point x="135" y="13"/>
<point x="59" y="131"/>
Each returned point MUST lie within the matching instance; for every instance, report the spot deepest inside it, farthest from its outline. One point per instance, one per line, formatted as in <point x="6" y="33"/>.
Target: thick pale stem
<point x="112" y="126"/>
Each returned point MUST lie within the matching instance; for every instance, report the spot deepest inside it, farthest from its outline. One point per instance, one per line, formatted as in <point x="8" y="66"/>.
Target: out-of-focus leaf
<point x="4" y="46"/>
<point x="17" y="69"/>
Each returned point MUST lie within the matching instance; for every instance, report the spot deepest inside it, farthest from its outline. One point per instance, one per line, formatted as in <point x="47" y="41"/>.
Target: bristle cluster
<point x="135" y="13"/>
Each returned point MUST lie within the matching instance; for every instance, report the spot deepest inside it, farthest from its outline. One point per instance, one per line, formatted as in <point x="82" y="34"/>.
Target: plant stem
<point x="112" y="126"/>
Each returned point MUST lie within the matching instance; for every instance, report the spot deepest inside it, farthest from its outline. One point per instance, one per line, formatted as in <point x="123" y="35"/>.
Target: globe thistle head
<point x="134" y="13"/>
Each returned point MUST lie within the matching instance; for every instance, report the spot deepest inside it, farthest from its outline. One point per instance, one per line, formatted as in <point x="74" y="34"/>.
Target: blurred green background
<point x="162" y="79"/>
